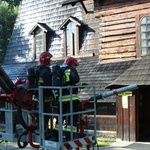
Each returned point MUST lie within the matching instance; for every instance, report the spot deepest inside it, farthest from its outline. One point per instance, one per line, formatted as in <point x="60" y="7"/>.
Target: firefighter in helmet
<point x="71" y="79"/>
<point x="45" y="72"/>
<point x="44" y="79"/>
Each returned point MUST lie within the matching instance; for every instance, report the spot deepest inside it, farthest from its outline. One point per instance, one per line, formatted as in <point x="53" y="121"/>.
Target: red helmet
<point x="45" y="58"/>
<point x="71" y="61"/>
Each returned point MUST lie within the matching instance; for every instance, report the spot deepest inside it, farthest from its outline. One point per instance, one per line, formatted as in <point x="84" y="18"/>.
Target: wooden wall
<point x="105" y="122"/>
<point x="119" y="27"/>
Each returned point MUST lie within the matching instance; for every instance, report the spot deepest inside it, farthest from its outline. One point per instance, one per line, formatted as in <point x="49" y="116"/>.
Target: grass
<point x="105" y="140"/>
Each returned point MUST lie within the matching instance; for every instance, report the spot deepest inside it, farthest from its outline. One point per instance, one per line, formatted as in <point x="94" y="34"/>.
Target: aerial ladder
<point x="20" y="101"/>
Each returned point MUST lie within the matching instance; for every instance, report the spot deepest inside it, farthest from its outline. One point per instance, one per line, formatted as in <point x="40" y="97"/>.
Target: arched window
<point x="39" y="45"/>
<point x="71" y="36"/>
<point x="145" y="35"/>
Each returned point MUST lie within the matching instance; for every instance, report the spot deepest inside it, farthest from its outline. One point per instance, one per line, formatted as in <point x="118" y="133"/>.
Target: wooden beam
<point x="127" y="20"/>
<point x="117" y="38"/>
<point x="118" y="32"/>
<point x="125" y="15"/>
<point x="118" y="43"/>
<point x="118" y="27"/>
<point x="118" y="50"/>
<point x="108" y="12"/>
<point x="115" y="56"/>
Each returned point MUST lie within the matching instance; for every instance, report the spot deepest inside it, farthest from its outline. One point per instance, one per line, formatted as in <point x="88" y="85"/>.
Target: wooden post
<point x="132" y="118"/>
<point x="119" y="117"/>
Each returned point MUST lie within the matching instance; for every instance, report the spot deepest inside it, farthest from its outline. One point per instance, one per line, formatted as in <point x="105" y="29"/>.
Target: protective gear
<point x="70" y="61"/>
<point x="70" y="94"/>
<point x="44" y="79"/>
<point x="45" y="58"/>
<point x="71" y="78"/>
<point x="44" y="76"/>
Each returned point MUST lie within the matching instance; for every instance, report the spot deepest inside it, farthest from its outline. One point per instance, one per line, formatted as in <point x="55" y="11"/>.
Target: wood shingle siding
<point x="20" y="48"/>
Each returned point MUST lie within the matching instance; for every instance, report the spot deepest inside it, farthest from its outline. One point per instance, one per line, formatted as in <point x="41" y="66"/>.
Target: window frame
<point x="42" y="27"/>
<point x="77" y="43"/>
<point x="35" y="44"/>
<point x="138" y="34"/>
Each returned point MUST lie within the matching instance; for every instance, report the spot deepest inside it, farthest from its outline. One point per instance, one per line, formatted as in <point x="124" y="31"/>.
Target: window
<point x="39" y="43"/>
<point x="71" y="28"/>
<point x="71" y="38"/>
<point x="145" y="35"/>
<point x="40" y="34"/>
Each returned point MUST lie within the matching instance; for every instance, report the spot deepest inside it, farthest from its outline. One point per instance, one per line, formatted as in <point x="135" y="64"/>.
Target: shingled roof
<point x="43" y="26"/>
<point x="101" y="75"/>
<point x="139" y="73"/>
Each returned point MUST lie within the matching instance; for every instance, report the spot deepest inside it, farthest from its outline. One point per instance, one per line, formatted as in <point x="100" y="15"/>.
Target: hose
<point x="31" y="142"/>
<point x="19" y="110"/>
<point x="22" y="144"/>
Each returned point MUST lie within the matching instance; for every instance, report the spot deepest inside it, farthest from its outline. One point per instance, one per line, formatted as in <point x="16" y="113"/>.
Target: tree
<point x="8" y="14"/>
<point x="12" y="3"/>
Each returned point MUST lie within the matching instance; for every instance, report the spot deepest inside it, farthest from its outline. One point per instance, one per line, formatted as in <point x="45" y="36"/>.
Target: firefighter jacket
<point x="44" y="79"/>
<point x="71" y="79"/>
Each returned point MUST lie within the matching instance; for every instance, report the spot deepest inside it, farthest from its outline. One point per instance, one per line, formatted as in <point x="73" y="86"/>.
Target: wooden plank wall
<point x="118" y="28"/>
<point x="126" y="119"/>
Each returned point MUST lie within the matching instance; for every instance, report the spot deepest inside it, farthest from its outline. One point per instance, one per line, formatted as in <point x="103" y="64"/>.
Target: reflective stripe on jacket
<point x="66" y="98"/>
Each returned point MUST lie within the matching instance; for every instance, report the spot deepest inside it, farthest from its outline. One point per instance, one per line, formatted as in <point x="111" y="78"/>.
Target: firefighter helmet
<point x="71" y="61"/>
<point x="45" y="58"/>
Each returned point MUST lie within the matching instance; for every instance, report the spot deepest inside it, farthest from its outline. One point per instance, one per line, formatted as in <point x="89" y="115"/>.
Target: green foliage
<point x="8" y="14"/>
<point x="12" y="3"/>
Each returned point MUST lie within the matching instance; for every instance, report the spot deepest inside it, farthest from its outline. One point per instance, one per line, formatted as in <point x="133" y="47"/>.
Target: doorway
<point x="144" y="114"/>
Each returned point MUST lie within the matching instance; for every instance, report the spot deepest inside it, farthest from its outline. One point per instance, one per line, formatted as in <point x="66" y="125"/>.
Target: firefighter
<point x="71" y="79"/>
<point x="44" y="79"/>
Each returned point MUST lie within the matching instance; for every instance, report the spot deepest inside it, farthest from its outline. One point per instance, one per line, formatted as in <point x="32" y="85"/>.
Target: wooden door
<point x="126" y="118"/>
